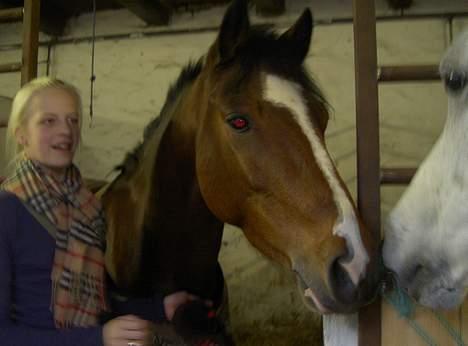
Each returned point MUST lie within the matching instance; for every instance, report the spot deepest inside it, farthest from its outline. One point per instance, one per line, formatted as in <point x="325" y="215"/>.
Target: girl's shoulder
<point x="8" y="199"/>
<point x="10" y="205"/>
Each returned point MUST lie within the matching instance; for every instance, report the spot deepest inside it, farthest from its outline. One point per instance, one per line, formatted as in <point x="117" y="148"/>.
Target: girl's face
<point x="51" y="132"/>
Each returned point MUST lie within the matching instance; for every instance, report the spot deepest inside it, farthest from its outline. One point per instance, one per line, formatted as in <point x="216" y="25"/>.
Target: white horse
<point x="426" y="234"/>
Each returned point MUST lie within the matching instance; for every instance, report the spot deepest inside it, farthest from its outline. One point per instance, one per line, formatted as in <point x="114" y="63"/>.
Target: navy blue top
<point x="26" y="255"/>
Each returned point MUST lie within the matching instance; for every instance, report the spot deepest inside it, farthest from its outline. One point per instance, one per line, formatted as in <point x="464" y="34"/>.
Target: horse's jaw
<point x="425" y="237"/>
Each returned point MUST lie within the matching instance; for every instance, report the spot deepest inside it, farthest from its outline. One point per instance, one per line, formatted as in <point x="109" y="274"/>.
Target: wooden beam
<point x="151" y="12"/>
<point x="30" y="40"/>
<point x="269" y="8"/>
<point x="11" y="15"/>
<point x="10" y="67"/>
<point x="408" y="73"/>
<point x="53" y="20"/>
<point x="368" y="152"/>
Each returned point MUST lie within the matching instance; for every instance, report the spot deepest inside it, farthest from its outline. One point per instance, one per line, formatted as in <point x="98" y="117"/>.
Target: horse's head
<point x="262" y="163"/>
<point x="426" y="238"/>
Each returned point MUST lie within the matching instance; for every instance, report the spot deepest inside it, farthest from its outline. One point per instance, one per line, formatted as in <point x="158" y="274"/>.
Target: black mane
<point x="188" y="74"/>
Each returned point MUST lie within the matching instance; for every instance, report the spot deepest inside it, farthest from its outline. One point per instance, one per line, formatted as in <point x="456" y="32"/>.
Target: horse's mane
<point x="188" y="74"/>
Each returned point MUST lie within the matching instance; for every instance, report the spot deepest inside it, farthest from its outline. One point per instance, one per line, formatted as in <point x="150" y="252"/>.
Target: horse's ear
<point x="299" y="35"/>
<point x="233" y="29"/>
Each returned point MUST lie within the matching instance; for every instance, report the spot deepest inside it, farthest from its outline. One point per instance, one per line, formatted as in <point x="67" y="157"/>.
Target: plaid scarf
<point x="78" y="273"/>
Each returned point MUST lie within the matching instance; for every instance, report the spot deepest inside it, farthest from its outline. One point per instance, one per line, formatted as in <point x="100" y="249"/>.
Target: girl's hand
<point x="124" y="330"/>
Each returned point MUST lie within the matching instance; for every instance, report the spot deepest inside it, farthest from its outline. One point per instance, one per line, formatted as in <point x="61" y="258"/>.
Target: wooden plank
<point x="368" y="152"/>
<point x="399" y="332"/>
<point x="10" y="67"/>
<point x="408" y="73"/>
<point x="151" y="12"/>
<point x="11" y="14"/>
<point x="30" y="40"/>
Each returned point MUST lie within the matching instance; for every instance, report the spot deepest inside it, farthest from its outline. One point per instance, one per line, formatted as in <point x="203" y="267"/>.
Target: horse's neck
<point x="182" y="237"/>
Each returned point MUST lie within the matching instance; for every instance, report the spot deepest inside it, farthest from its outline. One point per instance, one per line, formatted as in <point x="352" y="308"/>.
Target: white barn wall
<point x="133" y="75"/>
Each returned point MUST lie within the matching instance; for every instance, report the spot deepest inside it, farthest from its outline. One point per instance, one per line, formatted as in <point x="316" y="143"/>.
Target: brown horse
<point x="240" y="140"/>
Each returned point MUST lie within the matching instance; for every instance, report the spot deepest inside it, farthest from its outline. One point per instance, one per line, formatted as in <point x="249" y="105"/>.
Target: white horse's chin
<point x="441" y="298"/>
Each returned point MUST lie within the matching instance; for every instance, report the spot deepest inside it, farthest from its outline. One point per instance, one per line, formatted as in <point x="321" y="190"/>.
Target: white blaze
<point x="287" y="94"/>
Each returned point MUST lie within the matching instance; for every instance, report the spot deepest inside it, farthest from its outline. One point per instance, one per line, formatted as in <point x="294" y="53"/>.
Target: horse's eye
<point x="455" y="81"/>
<point x="238" y="122"/>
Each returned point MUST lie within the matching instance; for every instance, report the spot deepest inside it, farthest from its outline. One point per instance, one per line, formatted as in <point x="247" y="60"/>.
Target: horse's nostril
<point x="342" y="285"/>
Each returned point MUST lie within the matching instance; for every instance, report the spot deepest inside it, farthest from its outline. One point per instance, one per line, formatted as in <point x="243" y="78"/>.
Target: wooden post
<point x="31" y="19"/>
<point x="368" y="152"/>
<point x="363" y="329"/>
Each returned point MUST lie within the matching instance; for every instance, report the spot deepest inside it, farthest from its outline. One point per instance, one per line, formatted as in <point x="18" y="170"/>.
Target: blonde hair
<point x="20" y="107"/>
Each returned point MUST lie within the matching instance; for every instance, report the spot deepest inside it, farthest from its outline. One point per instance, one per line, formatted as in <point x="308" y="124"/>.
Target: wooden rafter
<point x="11" y="14"/>
<point x="270" y="7"/>
<point x="151" y="12"/>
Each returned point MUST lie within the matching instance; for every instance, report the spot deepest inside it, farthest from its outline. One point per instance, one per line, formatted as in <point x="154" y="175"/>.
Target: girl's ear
<point x="20" y="137"/>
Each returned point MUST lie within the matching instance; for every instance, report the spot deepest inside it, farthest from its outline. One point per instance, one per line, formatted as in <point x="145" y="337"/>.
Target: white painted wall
<point x="133" y="74"/>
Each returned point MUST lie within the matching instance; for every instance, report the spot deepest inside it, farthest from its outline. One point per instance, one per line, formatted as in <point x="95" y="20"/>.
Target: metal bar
<point x="408" y="73"/>
<point x="10" y="67"/>
<point x="30" y="40"/>
<point x="396" y="176"/>
<point x="11" y="15"/>
<point x="368" y="155"/>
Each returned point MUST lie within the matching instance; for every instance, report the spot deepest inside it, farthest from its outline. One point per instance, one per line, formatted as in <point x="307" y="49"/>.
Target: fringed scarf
<point x="78" y="274"/>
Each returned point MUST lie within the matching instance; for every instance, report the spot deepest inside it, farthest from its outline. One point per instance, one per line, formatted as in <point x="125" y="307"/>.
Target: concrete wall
<point x="134" y="69"/>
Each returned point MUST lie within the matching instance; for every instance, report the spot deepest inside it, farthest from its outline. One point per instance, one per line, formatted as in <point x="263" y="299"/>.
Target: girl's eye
<point x="74" y="121"/>
<point x="239" y="122"/>
<point x="48" y="121"/>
